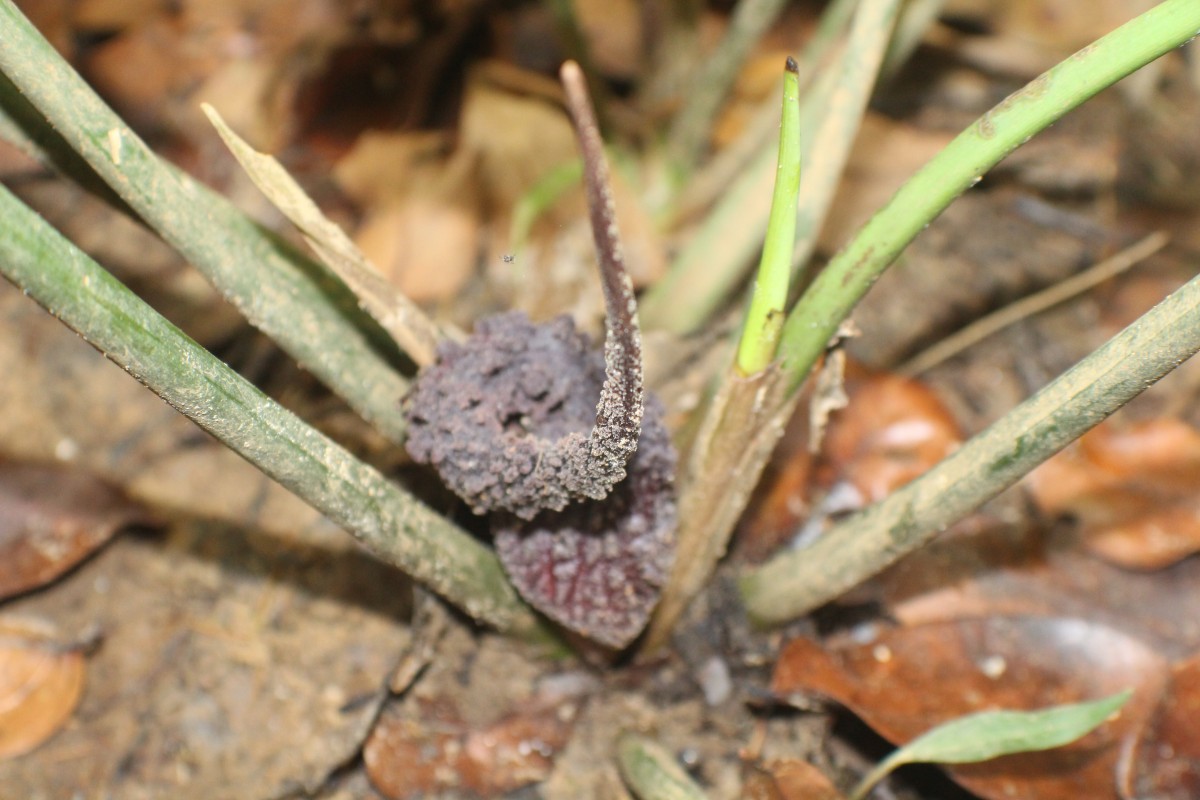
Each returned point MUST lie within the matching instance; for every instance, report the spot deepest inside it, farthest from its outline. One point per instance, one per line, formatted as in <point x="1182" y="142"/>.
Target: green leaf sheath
<point x="382" y="516"/>
<point x="287" y="296"/>
<point x="815" y="318"/>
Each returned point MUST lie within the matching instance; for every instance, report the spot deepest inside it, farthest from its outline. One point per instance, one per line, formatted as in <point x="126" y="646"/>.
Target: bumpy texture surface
<point x="505" y="418"/>
<point x="598" y="567"/>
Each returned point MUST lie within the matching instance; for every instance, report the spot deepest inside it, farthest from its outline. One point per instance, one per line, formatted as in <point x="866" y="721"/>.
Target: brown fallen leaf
<point x="435" y="751"/>
<point x="908" y="680"/>
<point x="51" y="518"/>
<point x="891" y="430"/>
<point x="788" y="779"/>
<point x="1135" y="490"/>
<point x="1166" y="763"/>
<point x="427" y="248"/>
<point x="41" y="680"/>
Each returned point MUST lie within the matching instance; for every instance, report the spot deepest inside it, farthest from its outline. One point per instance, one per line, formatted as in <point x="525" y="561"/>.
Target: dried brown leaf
<point x="892" y="430"/>
<point x="1134" y="489"/>
<point x="908" y="680"/>
<point x="788" y="779"/>
<point x="41" y="681"/>
<point x="1167" y="758"/>
<point x="435" y="751"/>
<point x="52" y="518"/>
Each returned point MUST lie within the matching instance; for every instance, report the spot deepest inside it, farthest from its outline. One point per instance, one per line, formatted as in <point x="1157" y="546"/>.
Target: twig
<point x="1033" y="304"/>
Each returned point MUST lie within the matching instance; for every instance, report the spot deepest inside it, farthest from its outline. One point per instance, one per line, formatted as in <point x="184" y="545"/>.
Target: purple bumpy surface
<point x="504" y="418"/>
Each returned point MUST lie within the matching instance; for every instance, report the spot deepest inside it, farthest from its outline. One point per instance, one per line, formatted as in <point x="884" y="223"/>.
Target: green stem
<point x="838" y="128"/>
<point x="715" y="259"/>
<point x="383" y="517"/>
<point x="764" y="318"/>
<point x="815" y="318"/>
<point x="287" y="296"/>
<point x="690" y="130"/>
<point x="798" y="581"/>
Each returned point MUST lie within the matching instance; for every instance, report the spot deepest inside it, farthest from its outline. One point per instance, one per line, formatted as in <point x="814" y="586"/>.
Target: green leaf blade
<point x="991" y="734"/>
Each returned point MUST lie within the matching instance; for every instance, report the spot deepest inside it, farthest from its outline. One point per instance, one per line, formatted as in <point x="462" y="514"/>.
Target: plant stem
<point x="390" y="522"/>
<point x="815" y="318"/>
<point x="764" y="317"/>
<point x="798" y="581"/>
<point x="284" y="294"/>
<point x="689" y="131"/>
<point x="714" y="260"/>
<point x="842" y="115"/>
<point x="749" y="410"/>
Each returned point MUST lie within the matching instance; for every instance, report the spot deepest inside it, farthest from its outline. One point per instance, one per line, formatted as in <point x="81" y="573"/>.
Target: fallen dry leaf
<point x="427" y="248"/>
<point x="435" y="751"/>
<point x="516" y="132"/>
<point x="382" y="168"/>
<point x="788" y="779"/>
<point x="908" y="680"/>
<point x="113" y="15"/>
<point x="614" y="35"/>
<point x="51" y="518"/>
<point x="1135" y="490"/>
<point x="890" y="430"/>
<point x="1166" y="763"/>
<point x="41" y="680"/>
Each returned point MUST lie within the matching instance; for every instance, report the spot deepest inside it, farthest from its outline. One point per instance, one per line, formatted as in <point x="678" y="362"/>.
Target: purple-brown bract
<point x="500" y="416"/>
<point x="504" y="417"/>
<point x="527" y="422"/>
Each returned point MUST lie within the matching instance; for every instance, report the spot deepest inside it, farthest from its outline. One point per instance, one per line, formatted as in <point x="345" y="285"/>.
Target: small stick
<point x="1036" y="303"/>
<point x="619" y="412"/>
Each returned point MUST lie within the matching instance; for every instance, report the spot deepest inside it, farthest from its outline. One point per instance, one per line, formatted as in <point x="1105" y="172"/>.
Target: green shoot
<point x="764" y="319"/>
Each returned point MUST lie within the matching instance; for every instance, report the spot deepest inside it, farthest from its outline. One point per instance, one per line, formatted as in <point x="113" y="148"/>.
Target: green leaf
<point x="990" y="734"/>
<point x="383" y="516"/>
<point x="651" y="772"/>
